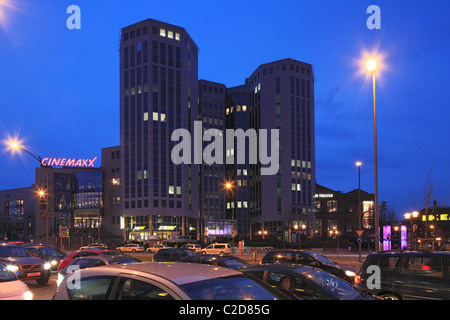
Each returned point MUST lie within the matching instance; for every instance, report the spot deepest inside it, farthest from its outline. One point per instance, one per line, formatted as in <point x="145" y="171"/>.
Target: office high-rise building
<point x="158" y="94"/>
<point x="281" y="96"/>
<point x="237" y="202"/>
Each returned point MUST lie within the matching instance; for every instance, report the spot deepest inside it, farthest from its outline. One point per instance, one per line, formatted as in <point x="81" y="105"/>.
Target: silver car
<point x="163" y="281"/>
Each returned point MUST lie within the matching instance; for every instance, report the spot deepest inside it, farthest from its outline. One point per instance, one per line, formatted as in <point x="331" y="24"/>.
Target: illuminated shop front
<point x="145" y="228"/>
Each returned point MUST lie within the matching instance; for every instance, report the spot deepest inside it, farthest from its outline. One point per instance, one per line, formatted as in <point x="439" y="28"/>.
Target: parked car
<point x="85" y="253"/>
<point x="17" y="258"/>
<point x="93" y="261"/>
<point x="171" y="254"/>
<point x="155" y="248"/>
<point x="164" y="281"/>
<point x="312" y="259"/>
<point x="131" y="247"/>
<point x="94" y="246"/>
<point x="231" y="262"/>
<point x="192" y="246"/>
<point x="47" y="254"/>
<point x="407" y="275"/>
<point x="11" y="288"/>
<point x="305" y="283"/>
<point x="217" y="248"/>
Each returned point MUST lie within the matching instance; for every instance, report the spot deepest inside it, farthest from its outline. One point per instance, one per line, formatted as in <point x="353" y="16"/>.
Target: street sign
<point x="359" y="233"/>
<point x="359" y="240"/>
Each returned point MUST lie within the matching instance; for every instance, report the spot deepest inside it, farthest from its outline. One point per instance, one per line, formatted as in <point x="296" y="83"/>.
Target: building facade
<point x="338" y="211"/>
<point x="158" y="94"/>
<point x="17" y="213"/>
<point x="281" y="97"/>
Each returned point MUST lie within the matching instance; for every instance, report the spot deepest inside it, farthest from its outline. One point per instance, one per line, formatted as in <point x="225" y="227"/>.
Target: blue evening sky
<point x="59" y="88"/>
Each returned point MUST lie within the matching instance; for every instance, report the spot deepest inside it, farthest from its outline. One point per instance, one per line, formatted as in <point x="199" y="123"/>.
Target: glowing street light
<point x="372" y="68"/>
<point x="16" y="146"/>
<point x="371" y="65"/>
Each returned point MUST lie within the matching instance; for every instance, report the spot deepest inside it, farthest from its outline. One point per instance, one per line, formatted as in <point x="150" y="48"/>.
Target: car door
<point x="423" y="276"/>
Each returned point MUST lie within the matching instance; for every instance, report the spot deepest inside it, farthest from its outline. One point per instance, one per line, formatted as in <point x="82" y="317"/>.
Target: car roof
<point x="279" y="267"/>
<point x="9" y="244"/>
<point x="94" y="250"/>
<point x="177" y="272"/>
<point x="115" y="257"/>
<point x="407" y="252"/>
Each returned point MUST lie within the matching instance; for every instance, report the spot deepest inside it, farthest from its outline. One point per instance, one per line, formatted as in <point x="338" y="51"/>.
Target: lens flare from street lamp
<point x="371" y="65"/>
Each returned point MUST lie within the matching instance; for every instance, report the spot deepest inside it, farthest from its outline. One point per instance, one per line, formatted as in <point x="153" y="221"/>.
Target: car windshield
<point x="127" y="260"/>
<point x="109" y="253"/>
<point x="322" y="259"/>
<point x="50" y="252"/>
<point x="234" y="263"/>
<point x="337" y="287"/>
<point x="13" y="252"/>
<point x="228" y="288"/>
<point x="5" y="274"/>
<point x="189" y="253"/>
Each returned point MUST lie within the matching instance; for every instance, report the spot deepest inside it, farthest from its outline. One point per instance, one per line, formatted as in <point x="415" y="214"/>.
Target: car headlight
<point x="12" y="268"/>
<point x="47" y="266"/>
<point x="350" y="273"/>
<point x="28" y="295"/>
<point x="54" y="262"/>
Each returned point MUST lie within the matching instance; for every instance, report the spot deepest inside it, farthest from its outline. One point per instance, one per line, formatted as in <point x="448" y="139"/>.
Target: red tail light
<point x="357" y="279"/>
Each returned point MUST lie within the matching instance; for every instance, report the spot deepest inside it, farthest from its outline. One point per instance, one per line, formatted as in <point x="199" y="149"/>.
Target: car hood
<point x="21" y="260"/>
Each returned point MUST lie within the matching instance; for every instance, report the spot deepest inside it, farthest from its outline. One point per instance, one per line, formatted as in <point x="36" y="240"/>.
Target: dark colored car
<point x="85" y="253"/>
<point x="407" y="275"/>
<point x="312" y="259"/>
<point x="94" y="261"/>
<point x="305" y="283"/>
<point x="231" y="262"/>
<point x="47" y="254"/>
<point x="172" y="254"/>
<point x="18" y="259"/>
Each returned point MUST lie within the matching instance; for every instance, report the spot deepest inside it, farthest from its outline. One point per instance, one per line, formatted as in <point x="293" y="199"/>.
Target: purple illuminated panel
<point x="386" y="238"/>
<point x="403" y="237"/>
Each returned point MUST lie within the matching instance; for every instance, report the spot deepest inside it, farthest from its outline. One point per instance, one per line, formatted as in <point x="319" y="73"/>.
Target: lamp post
<point x="297" y="228"/>
<point x="358" y="164"/>
<point x="14" y="145"/>
<point x="229" y="188"/>
<point x="372" y="67"/>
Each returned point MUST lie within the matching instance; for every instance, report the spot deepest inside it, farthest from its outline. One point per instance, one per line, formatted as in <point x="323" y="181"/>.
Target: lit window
<point x="244" y="108"/>
<point x="177" y="36"/>
<point x="178" y="190"/>
<point x="163" y="117"/>
<point x="228" y="110"/>
<point x="171" y="190"/>
<point x="145" y="116"/>
<point x="155" y="116"/>
<point x="244" y="172"/>
<point x="170" y="34"/>
<point x="162" y="32"/>
<point x="238" y="108"/>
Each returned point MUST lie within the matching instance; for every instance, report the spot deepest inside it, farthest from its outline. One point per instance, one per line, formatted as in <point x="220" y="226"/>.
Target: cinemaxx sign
<point x="67" y="162"/>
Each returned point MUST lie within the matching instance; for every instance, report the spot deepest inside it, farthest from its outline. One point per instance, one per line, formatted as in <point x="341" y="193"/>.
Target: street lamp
<point x="15" y="146"/>
<point x="229" y="187"/>
<point x="358" y="164"/>
<point x="372" y="68"/>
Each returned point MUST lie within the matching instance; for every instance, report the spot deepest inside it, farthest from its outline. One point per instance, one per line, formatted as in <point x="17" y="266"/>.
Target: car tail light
<point x="357" y="279"/>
